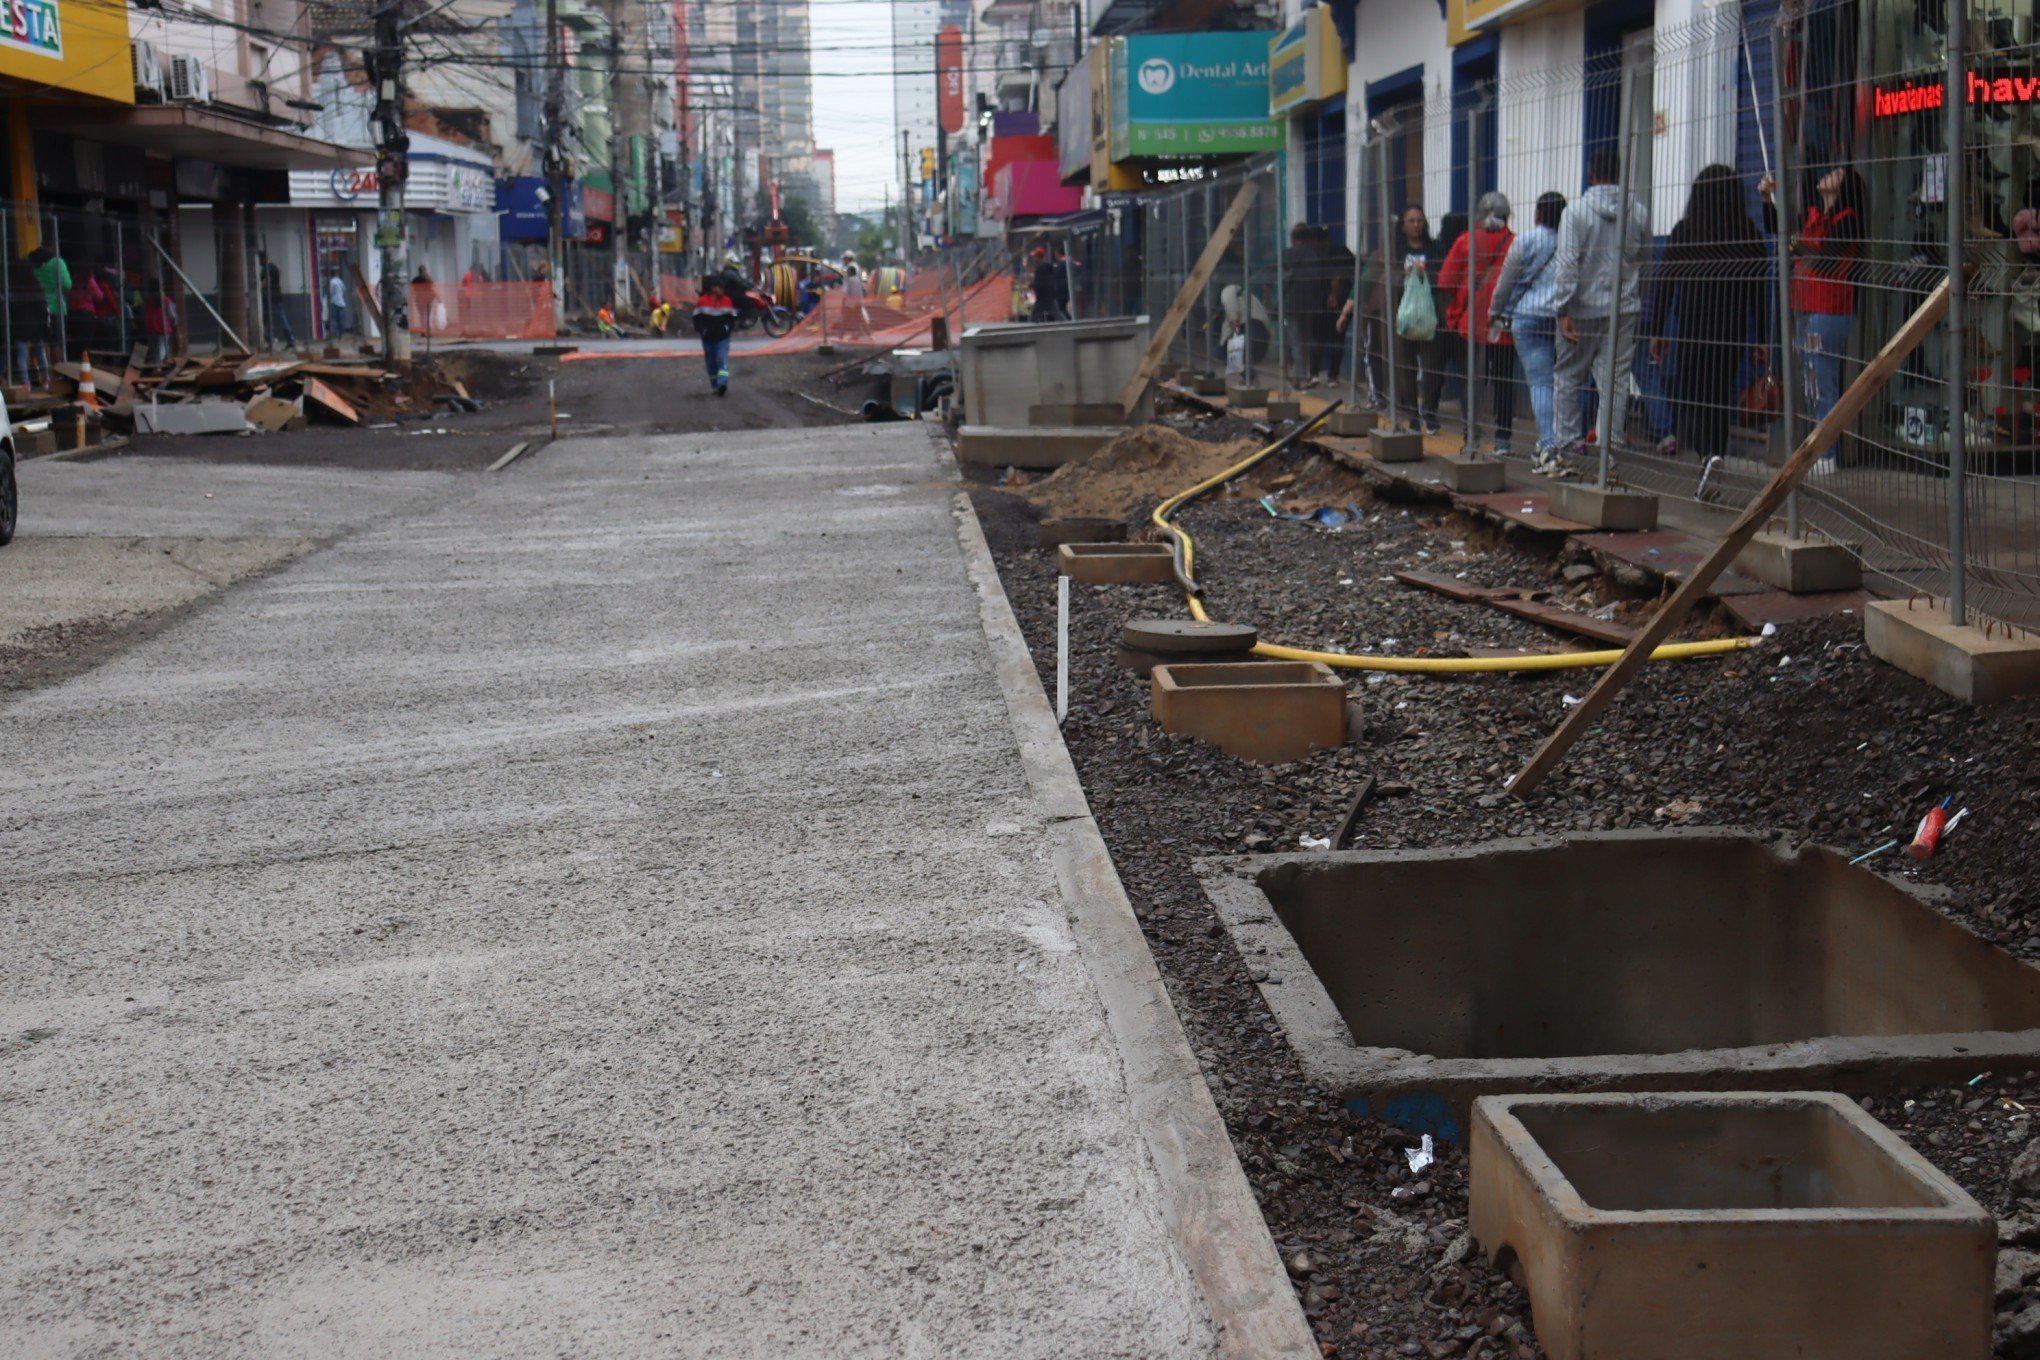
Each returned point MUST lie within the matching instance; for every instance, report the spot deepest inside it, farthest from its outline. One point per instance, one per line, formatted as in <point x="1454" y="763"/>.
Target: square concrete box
<point x="1271" y="712"/>
<point x="1920" y="640"/>
<point x="1348" y="423"/>
<point x="1117" y="564"/>
<point x="1620" y="511"/>
<point x="1284" y="408"/>
<point x="1801" y="566"/>
<point x="1007" y="370"/>
<point x="1236" y="396"/>
<point x="1208" y="385"/>
<point x="1396" y="446"/>
<point x="1474" y="476"/>
<point x="1053" y="533"/>
<point x="1703" y="1227"/>
<point x="1413" y="981"/>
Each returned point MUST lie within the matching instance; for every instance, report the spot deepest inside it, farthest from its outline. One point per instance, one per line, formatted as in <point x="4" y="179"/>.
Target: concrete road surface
<point x="595" y="910"/>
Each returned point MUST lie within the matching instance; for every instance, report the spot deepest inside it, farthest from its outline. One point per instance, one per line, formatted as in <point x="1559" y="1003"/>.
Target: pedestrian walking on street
<point x="53" y="276"/>
<point x="88" y="303"/>
<point x="272" y="303"/>
<point x="336" y="306"/>
<point x="28" y="321"/>
<point x="715" y="320"/>
<point x="1708" y="311"/>
<point x="159" y="320"/>
<point x="1523" y="304"/>
<point x="1602" y="243"/>
<point x="1473" y="267"/>
<point x="1825" y="251"/>
<point x="1051" y="288"/>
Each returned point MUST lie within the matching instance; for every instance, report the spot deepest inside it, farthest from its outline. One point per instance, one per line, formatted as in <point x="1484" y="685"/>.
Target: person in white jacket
<point x="1600" y="247"/>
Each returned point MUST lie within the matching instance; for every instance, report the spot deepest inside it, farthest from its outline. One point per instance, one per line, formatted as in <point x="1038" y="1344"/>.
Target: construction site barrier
<point x="481" y="311"/>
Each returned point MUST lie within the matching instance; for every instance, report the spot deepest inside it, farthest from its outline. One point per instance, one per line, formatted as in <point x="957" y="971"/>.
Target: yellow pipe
<point x="1409" y="665"/>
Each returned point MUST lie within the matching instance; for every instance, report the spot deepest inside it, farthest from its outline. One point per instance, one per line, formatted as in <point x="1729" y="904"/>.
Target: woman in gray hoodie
<point x="1602" y="244"/>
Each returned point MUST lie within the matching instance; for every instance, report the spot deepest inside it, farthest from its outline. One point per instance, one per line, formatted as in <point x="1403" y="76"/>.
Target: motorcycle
<point x="755" y="307"/>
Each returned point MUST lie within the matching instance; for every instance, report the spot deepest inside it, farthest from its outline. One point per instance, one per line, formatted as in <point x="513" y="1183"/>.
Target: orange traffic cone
<point x="88" y="393"/>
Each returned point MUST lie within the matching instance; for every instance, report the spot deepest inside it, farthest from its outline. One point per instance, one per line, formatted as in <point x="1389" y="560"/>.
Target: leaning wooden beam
<point x="1179" y="310"/>
<point x="1858" y="395"/>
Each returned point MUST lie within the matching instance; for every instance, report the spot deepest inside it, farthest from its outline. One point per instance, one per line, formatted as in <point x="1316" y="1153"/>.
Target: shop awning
<point x="187" y="131"/>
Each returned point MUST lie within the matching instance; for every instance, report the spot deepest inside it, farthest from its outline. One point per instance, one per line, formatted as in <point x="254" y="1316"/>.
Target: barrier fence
<point x="1812" y="150"/>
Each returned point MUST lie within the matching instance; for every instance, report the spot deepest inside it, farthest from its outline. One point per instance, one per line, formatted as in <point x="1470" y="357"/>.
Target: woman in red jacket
<point x="1484" y="248"/>
<point x="1825" y="251"/>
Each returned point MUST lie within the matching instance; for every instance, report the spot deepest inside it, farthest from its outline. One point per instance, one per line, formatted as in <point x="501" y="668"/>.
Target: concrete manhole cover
<point x="1189" y="635"/>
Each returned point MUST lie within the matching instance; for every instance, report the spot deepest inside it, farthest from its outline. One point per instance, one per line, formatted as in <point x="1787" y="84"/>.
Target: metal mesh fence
<point x="1717" y="225"/>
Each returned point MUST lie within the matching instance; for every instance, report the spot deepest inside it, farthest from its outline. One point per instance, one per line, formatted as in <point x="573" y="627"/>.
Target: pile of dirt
<point x="1142" y="465"/>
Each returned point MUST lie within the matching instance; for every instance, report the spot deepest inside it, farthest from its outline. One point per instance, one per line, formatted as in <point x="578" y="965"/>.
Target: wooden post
<point x="1858" y="395"/>
<point x="1179" y="310"/>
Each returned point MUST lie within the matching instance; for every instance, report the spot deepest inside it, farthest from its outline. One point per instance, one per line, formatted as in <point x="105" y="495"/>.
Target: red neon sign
<point x="1982" y="90"/>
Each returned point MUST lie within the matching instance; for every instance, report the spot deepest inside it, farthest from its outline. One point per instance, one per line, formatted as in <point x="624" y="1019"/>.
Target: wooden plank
<point x="1858" y="395"/>
<point x="1179" y="310"/>
<point x="131" y="378"/>
<point x="1452" y="588"/>
<point x="367" y="296"/>
<point x="330" y="401"/>
<point x="1565" y="620"/>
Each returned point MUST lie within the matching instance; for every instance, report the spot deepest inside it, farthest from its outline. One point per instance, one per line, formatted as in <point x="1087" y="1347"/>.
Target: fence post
<point x="1209" y="371"/>
<point x="1472" y="404"/>
<point x="1956" y="104"/>
<point x="1388" y="294"/>
<point x="7" y="292"/>
<point x="1781" y="204"/>
<point x="1284" y="360"/>
<point x="1247" y="293"/>
<point x="1358" y="244"/>
<point x="1625" y="146"/>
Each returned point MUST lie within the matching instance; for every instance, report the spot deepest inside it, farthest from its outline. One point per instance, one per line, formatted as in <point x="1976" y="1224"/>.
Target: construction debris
<point x="234" y="393"/>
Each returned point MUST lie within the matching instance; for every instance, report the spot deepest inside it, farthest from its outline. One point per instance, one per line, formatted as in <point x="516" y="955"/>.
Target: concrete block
<point x="29" y="443"/>
<point x="1117" y="564"/>
<point x="1053" y="533"/>
<point x="1270" y="712"/>
<point x="1920" y="640"/>
<point x="1474" y="476"/>
<point x="1237" y="396"/>
<point x="1006" y="368"/>
<point x="1633" y="960"/>
<point x="1800" y="565"/>
<point x="1166" y="372"/>
<point x="1077" y="414"/>
<point x="1284" y="408"/>
<point x="1396" y="446"/>
<point x="994" y="446"/>
<point x="1621" y="511"/>
<point x="1348" y="423"/>
<point x="1696" y="1227"/>
<point x="1208" y="385"/>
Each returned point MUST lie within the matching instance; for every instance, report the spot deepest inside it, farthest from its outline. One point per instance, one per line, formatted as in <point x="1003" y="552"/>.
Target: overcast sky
<point x="853" y="65"/>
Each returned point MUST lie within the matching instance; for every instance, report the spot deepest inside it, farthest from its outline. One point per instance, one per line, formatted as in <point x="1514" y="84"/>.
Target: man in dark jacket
<point x="715" y="319"/>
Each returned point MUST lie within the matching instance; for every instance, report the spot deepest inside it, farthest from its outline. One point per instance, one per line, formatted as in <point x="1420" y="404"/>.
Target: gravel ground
<point x="1807" y="735"/>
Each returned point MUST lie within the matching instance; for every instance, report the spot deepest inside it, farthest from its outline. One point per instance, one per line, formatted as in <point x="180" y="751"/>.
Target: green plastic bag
<point x="1416" y="320"/>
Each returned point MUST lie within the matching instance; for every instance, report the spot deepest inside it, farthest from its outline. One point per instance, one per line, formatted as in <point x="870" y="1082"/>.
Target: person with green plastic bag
<point x="1421" y="353"/>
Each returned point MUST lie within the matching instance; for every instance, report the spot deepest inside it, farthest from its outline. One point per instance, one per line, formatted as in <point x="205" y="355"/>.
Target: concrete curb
<point x="1211" y="1211"/>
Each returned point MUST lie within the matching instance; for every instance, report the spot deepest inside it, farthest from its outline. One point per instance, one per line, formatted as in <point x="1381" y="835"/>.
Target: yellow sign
<point x="76" y="45"/>
<point x="1469" y="18"/>
<point x="1306" y="64"/>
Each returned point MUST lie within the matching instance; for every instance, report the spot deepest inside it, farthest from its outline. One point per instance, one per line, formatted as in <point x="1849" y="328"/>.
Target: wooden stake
<point x="1858" y="395"/>
<point x="1179" y="310"/>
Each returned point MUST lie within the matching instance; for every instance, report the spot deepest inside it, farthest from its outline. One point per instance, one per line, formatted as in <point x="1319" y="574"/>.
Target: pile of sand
<point x="1143" y="465"/>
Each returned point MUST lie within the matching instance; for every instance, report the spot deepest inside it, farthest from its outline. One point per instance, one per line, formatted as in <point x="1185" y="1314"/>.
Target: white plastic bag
<point x="1236" y="353"/>
<point x="1416" y="320"/>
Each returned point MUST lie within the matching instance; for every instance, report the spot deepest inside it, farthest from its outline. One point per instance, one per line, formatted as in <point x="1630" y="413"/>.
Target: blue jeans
<point x="1537" y="347"/>
<point x="1823" y="340"/>
<point x="716" y="355"/>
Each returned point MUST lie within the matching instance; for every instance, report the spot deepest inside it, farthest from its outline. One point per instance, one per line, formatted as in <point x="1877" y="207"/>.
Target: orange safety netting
<point x="482" y="311"/>
<point x="872" y="321"/>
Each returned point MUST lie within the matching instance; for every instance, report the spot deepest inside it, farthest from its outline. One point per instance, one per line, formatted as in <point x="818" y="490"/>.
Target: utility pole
<point x="906" y="194"/>
<point x="555" y="166"/>
<point x="392" y="142"/>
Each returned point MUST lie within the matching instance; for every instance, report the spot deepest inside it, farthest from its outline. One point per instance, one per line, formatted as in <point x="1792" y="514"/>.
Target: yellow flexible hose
<point x="1411" y="665"/>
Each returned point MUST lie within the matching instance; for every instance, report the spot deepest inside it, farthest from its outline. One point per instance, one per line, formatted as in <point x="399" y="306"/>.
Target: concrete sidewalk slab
<point x="599" y="910"/>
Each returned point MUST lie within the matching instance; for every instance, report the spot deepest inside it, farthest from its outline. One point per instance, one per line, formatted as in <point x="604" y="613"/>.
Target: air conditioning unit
<point x="190" y="82"/>
<point x="148" y="65"/>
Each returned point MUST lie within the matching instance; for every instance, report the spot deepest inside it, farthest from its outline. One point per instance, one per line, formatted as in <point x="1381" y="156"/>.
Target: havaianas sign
<point x="32" y="26"/>
<point x="1917" y="98"/>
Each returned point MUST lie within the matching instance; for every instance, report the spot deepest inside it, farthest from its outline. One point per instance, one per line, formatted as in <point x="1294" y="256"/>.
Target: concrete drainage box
<point x="1702" y="1227"/>
<point x="1411" y="981"/>
<point x="1270" y="712"/>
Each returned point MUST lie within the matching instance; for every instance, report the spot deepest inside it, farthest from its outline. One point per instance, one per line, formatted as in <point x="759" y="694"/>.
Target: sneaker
<point x="1824" y="467"/>
<point x="1668" y="447"/>
<point x="1431" y="425"/>
<point x="722" y="389"/>
<point x="722" y="377"/>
